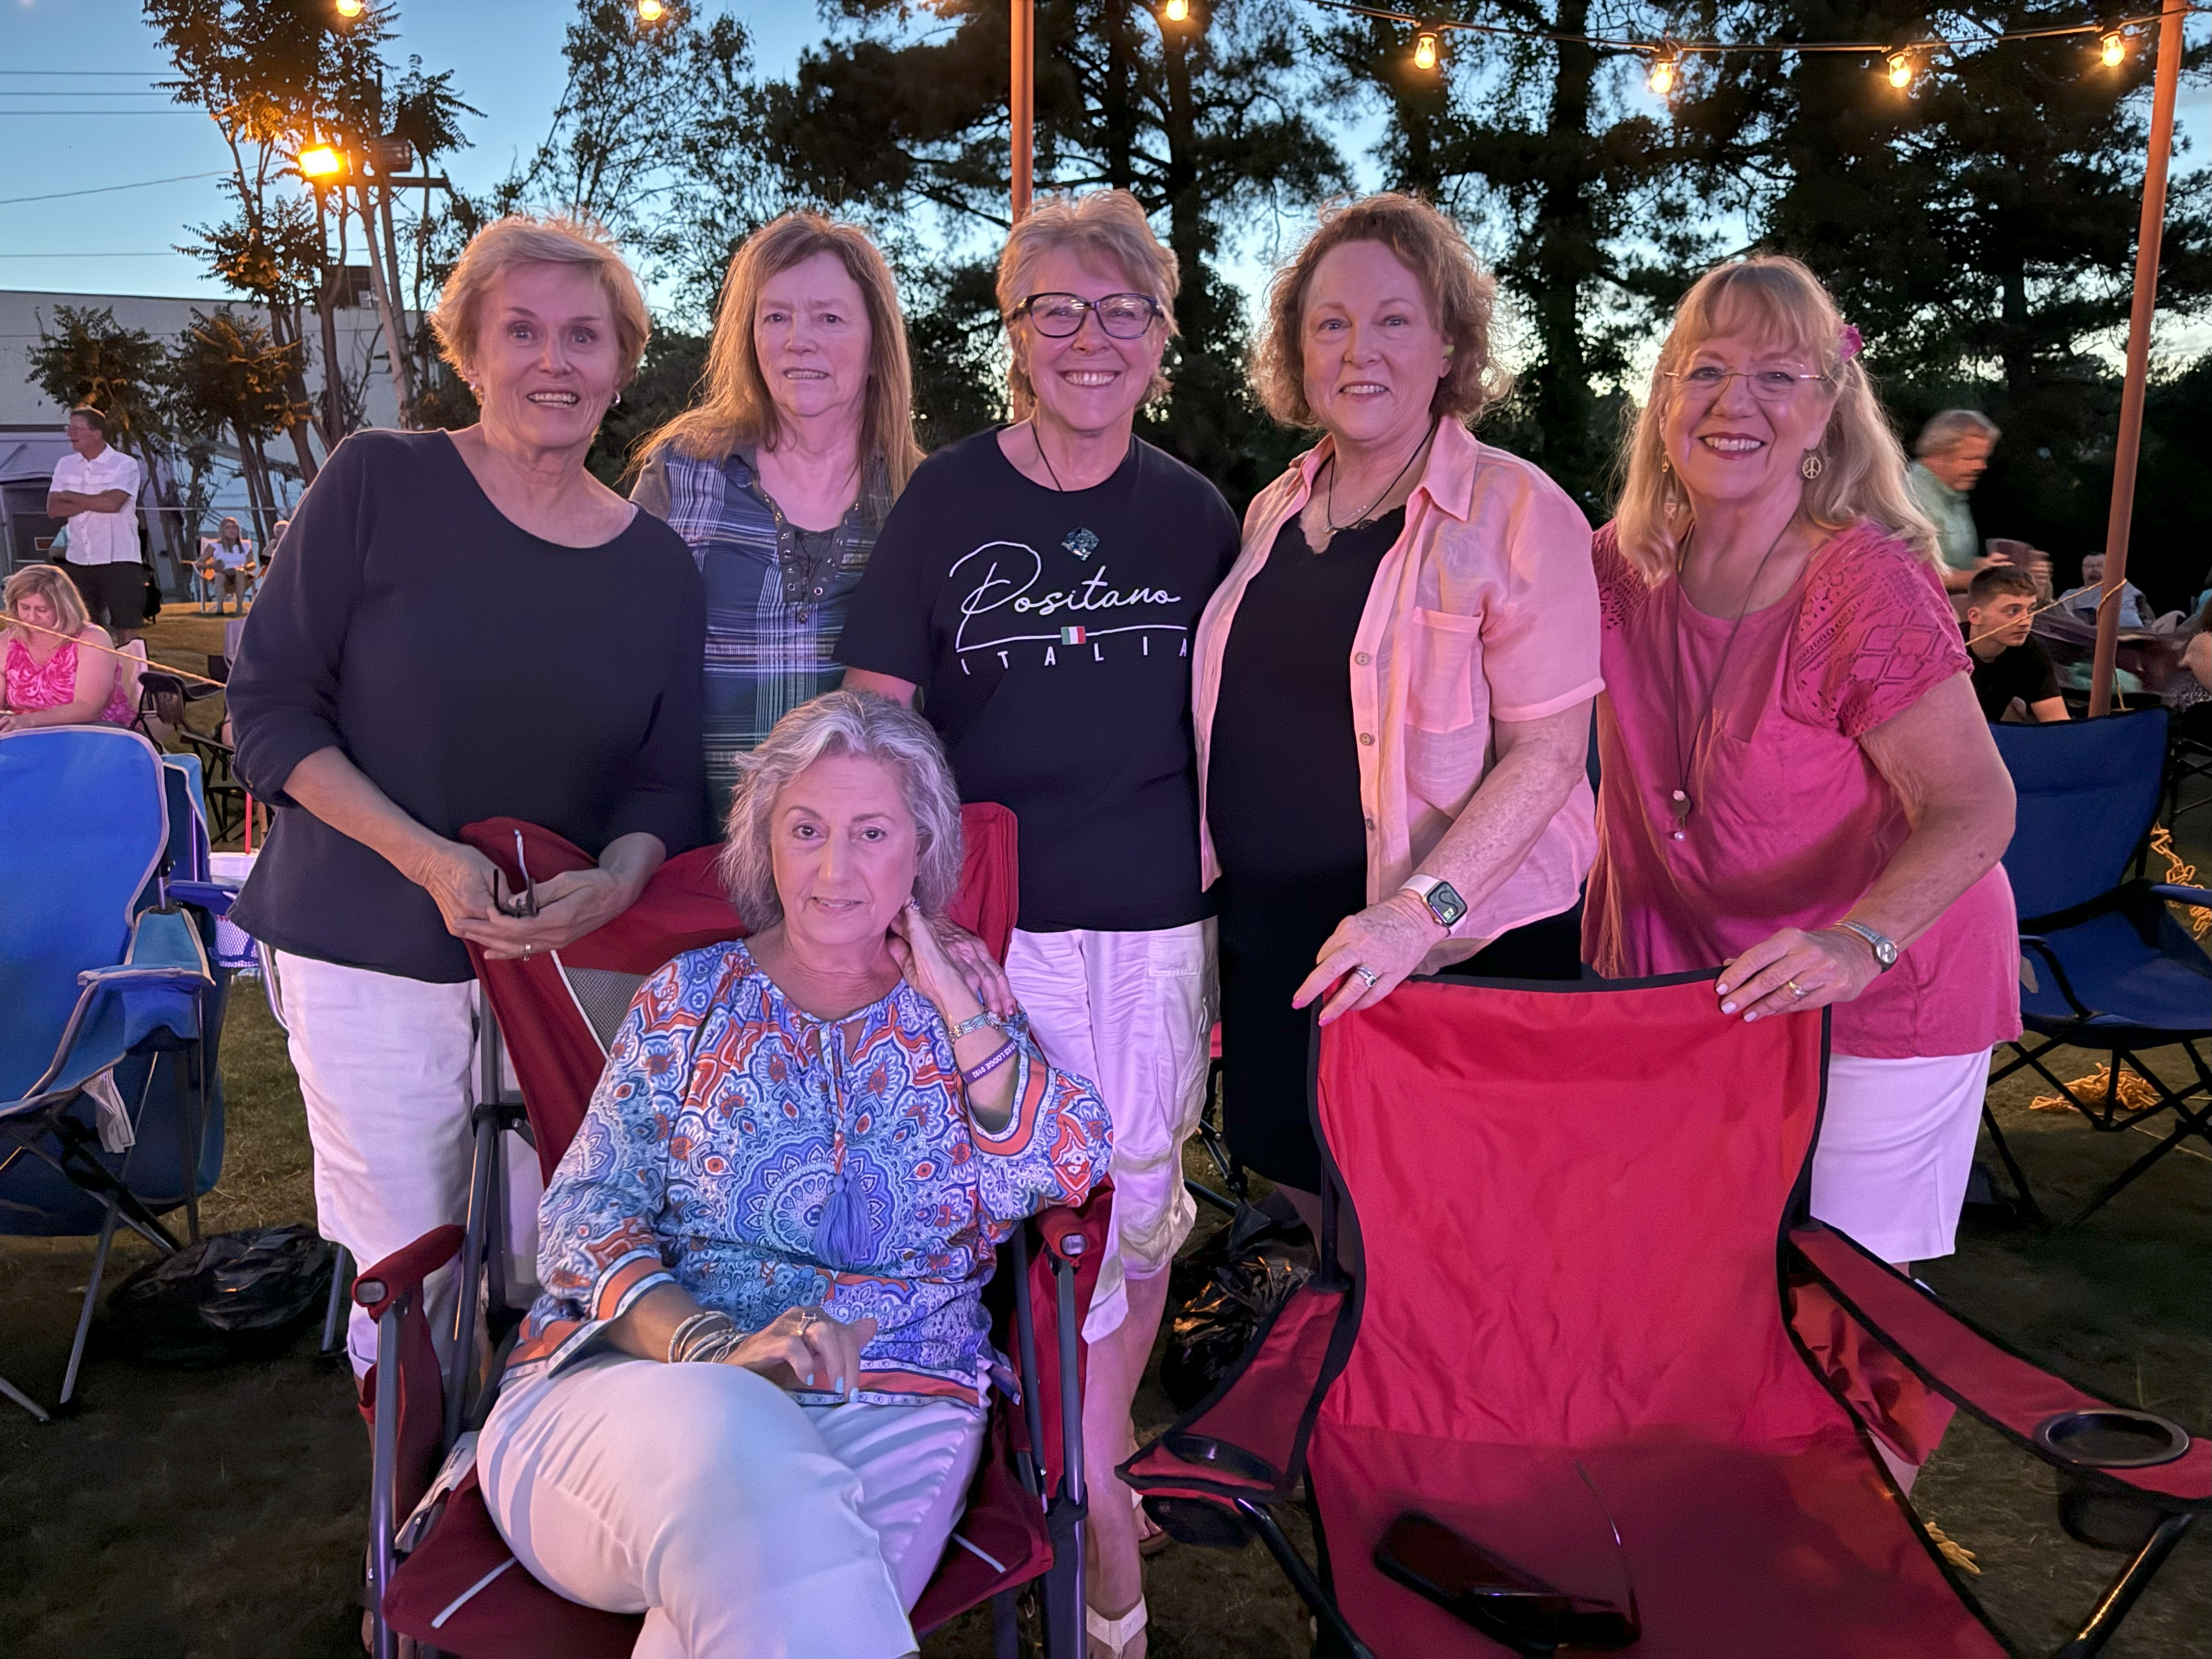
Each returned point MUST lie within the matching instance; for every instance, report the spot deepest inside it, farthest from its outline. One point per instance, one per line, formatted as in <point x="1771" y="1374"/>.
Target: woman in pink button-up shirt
<point x="1392" y="688"/>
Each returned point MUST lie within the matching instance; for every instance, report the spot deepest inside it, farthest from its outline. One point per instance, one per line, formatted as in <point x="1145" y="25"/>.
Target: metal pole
<point x="1021" y="98"/>
<point x="2147" y="237"/>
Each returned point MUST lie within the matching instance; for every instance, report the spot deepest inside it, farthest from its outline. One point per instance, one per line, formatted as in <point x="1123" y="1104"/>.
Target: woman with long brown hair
<point x="780" y="477"/>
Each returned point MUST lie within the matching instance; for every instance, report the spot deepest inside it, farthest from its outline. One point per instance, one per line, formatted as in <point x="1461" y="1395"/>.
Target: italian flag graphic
<point x="1073" y="636"/>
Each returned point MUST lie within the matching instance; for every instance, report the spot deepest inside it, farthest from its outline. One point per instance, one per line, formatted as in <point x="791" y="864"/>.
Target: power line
<point x="163" y="253"/>
<point x="103" y="189"/>
<point x="87" y="74"/>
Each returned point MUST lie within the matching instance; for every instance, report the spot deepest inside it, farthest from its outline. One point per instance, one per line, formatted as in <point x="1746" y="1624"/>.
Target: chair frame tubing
<point x="2133" y="1580"/>
<point x="384" y="1474"/>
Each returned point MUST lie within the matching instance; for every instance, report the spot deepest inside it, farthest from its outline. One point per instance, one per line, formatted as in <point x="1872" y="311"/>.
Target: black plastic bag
<point x="228" y="1296"/>
<point x="1220" y="1293"/>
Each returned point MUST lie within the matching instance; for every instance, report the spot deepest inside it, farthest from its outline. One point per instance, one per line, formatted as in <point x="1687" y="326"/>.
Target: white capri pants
<point x="741" y="1524"/>
<point x="1897" y="1144"/>
<point x="387" y="1072"/>
<point x="1133" y="1014"/>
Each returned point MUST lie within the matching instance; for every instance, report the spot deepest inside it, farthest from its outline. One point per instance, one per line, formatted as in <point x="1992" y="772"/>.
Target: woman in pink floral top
<point x="1797" y="781"/>
<point x="750" y="1402"/>
<point x="55" y="681"/>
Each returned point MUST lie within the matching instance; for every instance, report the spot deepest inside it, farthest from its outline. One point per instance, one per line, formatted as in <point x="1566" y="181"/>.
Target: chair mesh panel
<point x="605" y="996"/>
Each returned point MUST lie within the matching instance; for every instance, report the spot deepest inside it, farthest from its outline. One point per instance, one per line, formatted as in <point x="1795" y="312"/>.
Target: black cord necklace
<point x="1678" y="800"/>
<point x="1080" y="541"/>
<point x="1365" y="517"/>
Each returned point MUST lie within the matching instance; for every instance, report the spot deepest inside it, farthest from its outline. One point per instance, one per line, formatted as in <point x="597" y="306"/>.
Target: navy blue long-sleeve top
<point x="470" y="670"/>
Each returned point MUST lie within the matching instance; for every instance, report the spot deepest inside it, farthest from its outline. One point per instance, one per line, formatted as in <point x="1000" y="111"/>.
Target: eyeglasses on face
<point x="1769" y="385"/>
<point x="1059" y="316"/>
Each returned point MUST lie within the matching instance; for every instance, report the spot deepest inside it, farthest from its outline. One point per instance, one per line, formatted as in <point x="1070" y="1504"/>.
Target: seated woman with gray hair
<point x="750" y="1402"/>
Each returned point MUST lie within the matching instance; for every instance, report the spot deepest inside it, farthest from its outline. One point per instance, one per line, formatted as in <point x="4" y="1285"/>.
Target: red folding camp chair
<point x="1567" y="1407"/>
<point x="443" y="1577"/>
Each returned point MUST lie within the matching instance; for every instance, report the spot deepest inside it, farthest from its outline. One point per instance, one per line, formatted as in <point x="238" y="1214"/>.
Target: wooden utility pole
<point x="1021" y="98"/>
<point x="2147" y="237"/>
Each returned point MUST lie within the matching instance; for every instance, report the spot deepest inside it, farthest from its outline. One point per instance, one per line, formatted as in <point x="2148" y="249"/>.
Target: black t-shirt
<point x="2020" y="670"/>
<point x="1282" y="794"/>
<point x="1050" y="634"/>
<point x="471" y="671"/>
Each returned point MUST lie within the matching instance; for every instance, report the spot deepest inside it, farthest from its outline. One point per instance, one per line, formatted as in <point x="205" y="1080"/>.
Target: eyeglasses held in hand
<point x="1769" y="385"/>
<point x="1059" y="316"/>
<point x="523" y="903"/>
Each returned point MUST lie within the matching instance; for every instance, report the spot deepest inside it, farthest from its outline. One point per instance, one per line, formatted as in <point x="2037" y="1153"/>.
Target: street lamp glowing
<point x="1661" y="79"/>
<point x="1425" y="50"/>
<point x="321" y="161"/>
<point x="1900" y="69"/>
<point x="1177" y="11"/>
<point x="350" y="9"/>
<point x="2112" y="49"/>
<point x="651" y="11"/>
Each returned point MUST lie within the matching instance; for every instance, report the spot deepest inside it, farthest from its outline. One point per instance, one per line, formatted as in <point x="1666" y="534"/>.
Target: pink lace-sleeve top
<point x="51" y="684"/>
<point x="1791" y="823"/>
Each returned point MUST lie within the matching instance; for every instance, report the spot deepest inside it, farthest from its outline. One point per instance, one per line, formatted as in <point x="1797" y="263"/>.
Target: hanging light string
<point x="1666" y="53"/>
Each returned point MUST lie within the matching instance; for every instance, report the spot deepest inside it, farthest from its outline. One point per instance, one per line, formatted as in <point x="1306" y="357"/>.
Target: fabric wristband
<point x="976" y="1073"/>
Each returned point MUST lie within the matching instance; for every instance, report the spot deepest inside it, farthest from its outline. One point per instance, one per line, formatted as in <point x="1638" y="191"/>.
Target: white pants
<point x="1133" y="1014"/>
<point x="742" y="1524"/>
<point x="387" y="1072"/>
<point x="1897" y="1144"/>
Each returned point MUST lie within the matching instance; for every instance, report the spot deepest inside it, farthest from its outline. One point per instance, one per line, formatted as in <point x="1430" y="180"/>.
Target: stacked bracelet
<point x="706" y="1336"/>
<point x="975" y="1074"/>
<point x="975" y="1022"/>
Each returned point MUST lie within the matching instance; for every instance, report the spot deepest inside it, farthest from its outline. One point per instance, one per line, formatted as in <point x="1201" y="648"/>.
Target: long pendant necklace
<point x="1366" y="514"/>
<point x="1678" y="800"/>
<point x="1080" y="541"/>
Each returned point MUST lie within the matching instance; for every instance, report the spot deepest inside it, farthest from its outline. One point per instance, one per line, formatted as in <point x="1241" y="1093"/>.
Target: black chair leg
<point x="2134" y="1579"/>
<point x="2019" y="1185"/>
<point x="1338" y="1637"/>
<point x="1006" y="1625"/>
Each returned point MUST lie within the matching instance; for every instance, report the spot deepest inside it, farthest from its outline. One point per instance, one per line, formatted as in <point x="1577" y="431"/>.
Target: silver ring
<point x="1372" y="978"/>
<point x="529" y="950"/>
<point x="1793" y="988"/>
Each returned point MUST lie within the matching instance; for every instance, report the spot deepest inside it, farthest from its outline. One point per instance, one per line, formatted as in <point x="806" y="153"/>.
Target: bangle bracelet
<point x="975" y="1074"/>
<point x="706" y="1321"/>
<point x="974" y="1023"/>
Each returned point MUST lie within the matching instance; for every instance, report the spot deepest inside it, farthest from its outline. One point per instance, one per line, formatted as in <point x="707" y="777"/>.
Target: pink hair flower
<point x="1849" y="342"/>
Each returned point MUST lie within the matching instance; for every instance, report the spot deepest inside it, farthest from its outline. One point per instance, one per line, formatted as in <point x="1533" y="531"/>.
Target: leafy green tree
<point x="87" y="358"/>
<point x="228" y="375"/>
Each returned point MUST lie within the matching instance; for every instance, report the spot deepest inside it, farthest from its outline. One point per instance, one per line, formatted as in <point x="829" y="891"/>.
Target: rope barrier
<point x="145" y="664"/>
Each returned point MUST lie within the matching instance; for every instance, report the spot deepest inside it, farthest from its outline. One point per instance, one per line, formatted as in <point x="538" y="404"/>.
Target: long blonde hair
<point x="737" y="411"/>
<point x="1779" y="301"/>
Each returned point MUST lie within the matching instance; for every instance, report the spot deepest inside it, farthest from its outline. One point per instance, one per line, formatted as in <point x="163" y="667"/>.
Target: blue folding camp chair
<point x="106" y="991"/>
<point x="2104" y="965"/>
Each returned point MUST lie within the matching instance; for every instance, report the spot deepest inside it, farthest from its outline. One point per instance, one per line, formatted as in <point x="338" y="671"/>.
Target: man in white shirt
<point x="96" y="489"/>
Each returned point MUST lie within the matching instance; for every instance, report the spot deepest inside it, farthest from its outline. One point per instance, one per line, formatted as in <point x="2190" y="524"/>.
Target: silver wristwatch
<point x="1884" y="947"/>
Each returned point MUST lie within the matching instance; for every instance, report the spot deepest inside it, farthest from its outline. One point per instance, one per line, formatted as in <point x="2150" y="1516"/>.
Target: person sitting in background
<point x="751" y="1401"/>
<point x="275" y="540"/>
<point x="1953" y="452"/>
<point x="227" y="564"/>
<point x="2083" y="601"/>
<point x="50" y="679"/>
<point x="2010" y="666"/>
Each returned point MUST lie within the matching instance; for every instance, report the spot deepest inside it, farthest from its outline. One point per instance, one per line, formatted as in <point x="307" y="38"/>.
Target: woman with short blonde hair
<point x="433" y="650"/>
<point x="1041" y="580"/>
<point x="780" y="477"/>
<point x="1797" y="781"/>
<point x="1393" y="686"/>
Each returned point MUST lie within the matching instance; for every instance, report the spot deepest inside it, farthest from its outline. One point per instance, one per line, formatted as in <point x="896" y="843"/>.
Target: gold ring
<point x="1793" y="988"/>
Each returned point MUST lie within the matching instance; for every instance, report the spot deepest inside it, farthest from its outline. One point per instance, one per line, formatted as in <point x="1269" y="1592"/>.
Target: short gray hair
<point x="841" y="723"/>
<point x="1947" y="431"/>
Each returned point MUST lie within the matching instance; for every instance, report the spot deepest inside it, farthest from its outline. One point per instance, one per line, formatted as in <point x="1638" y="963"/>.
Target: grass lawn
<point x="221" y="1513"/>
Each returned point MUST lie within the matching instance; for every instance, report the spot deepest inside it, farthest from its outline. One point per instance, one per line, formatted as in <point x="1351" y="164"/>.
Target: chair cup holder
<point x="2111" y="1437"/>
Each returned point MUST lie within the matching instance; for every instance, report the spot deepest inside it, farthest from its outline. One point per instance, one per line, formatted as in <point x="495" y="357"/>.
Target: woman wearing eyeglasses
<point x="1038" y="583"/>
<point x="1797" y="779"/>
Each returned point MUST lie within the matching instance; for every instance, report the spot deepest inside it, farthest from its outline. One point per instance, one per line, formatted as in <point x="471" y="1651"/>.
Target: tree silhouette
<point x="227" y="374"/>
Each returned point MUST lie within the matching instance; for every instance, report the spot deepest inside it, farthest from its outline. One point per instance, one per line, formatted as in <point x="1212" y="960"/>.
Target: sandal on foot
<point x="1115" y="1633"/>
<point x="1152" y="1539"/>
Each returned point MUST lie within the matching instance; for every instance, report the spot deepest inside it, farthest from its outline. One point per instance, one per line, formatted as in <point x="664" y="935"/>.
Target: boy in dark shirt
<point x="2008" y="665"/>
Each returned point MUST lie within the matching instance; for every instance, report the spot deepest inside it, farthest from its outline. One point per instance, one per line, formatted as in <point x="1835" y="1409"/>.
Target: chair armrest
<point x="2176" y="895"/>
<point x="2040" y="947"/>
<point x="377" y="1287"/>
<point x="2004" y="1388"/>
<point x="1246" y="1440"/>
<point x="215" y="897"/>
<point x="117" y="979"/>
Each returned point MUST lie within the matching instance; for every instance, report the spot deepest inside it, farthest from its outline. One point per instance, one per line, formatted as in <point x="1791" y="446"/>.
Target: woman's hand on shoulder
<point x="805" y="1348"/>
<point x="1795" y="972"/>
<point x="920" y="948"/>
<point x="1387" y="939"/>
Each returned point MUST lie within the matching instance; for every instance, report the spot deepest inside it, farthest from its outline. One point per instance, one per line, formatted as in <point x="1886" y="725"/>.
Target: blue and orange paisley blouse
<point x="764" y="1160"/>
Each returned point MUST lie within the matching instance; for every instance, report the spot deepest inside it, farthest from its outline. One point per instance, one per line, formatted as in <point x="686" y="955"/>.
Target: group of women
<point x="1345" y="746"/>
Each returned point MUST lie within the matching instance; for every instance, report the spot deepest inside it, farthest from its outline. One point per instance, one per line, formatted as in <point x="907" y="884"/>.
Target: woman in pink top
<point x="1392" y="687"/>
<point x="50" y="680"/>
<point x="1797" y="780"/>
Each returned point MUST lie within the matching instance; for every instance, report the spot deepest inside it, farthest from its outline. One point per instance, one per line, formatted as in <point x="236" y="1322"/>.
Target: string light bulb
<point x="1425" y="50"/>
<point x="1900" y="69"/>
<point x="2112" y="49"/>
<point x="651" y="11"/>
<point x="350" y="9"/>
<point x="1661" y="79"/>
<point x="1177" y="11"/>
